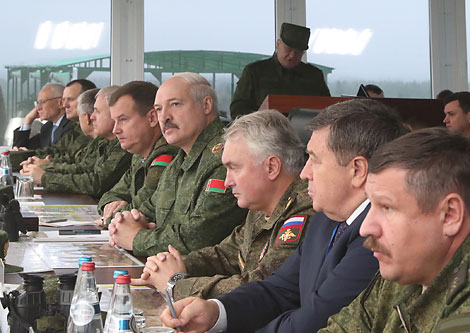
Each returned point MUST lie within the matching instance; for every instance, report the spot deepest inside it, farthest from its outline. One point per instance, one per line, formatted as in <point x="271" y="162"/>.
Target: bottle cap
<point x="88" y="266"/>
<point x="119" y="272"/>
<point x="81" y="260"/>
<point x="5" y="152"/>
<point x="123" y="279"/>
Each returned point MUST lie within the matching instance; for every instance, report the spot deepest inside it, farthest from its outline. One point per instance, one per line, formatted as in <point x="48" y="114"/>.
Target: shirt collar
<point x="59" y="121"/>
<point x="357" y="212"/>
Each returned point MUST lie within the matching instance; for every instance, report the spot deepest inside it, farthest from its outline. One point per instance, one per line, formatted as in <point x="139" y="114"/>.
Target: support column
<point x="448" y="45"/>
<point x="127" y="41"/>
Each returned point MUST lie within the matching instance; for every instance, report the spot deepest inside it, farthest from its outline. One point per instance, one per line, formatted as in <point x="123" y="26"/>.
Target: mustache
<point x="168" y="124"/>
<point x="373" y="244"/>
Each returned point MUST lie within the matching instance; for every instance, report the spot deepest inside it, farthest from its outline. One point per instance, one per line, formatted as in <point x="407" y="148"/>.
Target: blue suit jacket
<point x="309" y="287"/>
<point x="43" y="138"/>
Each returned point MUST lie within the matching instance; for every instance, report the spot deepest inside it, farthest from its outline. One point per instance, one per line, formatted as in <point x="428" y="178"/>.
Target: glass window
<point x="214" y="38"/>
<point x="49" y="41"/>
<point x="381" y="42"/>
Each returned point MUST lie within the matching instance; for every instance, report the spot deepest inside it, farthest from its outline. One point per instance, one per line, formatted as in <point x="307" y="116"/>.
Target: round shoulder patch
<point x="218" y="147"/>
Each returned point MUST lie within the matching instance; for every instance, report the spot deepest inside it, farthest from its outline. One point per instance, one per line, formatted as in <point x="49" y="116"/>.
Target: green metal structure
<point x="24" y="82"/>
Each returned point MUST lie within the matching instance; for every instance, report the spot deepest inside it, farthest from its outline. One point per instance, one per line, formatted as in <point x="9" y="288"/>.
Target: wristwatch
<point x="172" y="282"/>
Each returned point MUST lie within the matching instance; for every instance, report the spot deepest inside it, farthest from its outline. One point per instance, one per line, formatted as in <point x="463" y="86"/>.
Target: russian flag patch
<point x="162" y="160"/>
<point x="291" y="229"/>
<point x="216" y="185"/>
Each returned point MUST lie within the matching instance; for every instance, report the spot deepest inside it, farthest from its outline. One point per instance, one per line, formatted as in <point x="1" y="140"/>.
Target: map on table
<point x="67" y="214"/>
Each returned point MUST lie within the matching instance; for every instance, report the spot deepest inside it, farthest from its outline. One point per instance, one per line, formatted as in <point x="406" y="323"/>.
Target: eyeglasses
<point x="42" y="101"/>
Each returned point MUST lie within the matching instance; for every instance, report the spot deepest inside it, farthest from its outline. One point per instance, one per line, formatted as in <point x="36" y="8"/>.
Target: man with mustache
<point x="417" y="227"/>
<point x="274" y="226"/>
<point x="331" y="267"/>
<point x="136" y="127"/>
<point x="192" y="206"/>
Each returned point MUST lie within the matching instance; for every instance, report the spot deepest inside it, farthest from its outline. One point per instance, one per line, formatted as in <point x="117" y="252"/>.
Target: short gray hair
<point x="86" y="101"/>
<point x="56" y="89"/>
<point x="107" y="92"/>
<point x="200" y="89"/>
<point x="269" y="133"/>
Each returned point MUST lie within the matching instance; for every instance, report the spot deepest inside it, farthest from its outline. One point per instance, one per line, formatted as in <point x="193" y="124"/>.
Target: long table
<point x="62" y="258"/>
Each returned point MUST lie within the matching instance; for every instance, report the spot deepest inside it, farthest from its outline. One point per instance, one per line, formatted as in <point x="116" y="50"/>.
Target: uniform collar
<point x="211" y="131"/>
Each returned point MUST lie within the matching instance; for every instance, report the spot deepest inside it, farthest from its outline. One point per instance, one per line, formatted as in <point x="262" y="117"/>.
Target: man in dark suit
<point x="47" y="107"/>
<point x="331" y="267"/>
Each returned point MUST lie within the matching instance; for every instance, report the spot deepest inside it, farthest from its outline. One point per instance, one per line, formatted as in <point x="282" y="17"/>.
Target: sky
<point x="397" y="46"/>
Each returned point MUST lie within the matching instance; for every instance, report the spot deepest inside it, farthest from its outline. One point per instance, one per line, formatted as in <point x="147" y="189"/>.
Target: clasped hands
<point x="125" y="226"/>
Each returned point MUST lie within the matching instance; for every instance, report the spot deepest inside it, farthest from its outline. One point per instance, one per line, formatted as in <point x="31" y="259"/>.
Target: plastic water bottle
<point x="121" y="309"/>
<point x="5" y="168"/>
<point x="105" y="301"/>
<point x="85" y="307"/>
<point x="2" y="276"/>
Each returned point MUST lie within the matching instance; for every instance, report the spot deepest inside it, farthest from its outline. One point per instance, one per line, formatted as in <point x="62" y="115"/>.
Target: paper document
<point x="53" y="236"/>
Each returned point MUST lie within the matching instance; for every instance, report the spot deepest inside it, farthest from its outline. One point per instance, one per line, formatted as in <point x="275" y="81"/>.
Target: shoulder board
<point x="162" y="160"/>
<point x="216" y="185"/>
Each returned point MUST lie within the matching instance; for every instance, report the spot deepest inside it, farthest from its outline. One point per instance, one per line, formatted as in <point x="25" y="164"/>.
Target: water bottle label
<point x="82" y="313"/>
<point x="97" y="308"/>
<point x="124" y="324"/>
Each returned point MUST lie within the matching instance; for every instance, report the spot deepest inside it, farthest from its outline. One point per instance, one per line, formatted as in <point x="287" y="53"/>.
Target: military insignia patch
<point x="216" y="185"/>
<point x="218" y="147"/>
<point x="162" y="160"/>
<point x="263" y="252"/>
<point x="291" y="229"/>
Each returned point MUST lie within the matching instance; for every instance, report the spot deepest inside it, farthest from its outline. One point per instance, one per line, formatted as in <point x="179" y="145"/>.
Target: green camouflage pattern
<point x="267" y="76"/>
<point x="139" y="182"/>
<point x="110" y="164"/>
<point x="386" y="306"/>
<point x="251" y="252"/>
<point x="187" y="215"/>
<point x="87" y="161"/>
<point x="69" y="149"/>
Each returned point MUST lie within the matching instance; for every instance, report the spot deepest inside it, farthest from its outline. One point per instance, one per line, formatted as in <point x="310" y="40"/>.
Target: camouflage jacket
<point x="69" y="149"/>
<point x="192" y="207"/>
<point x="386" y="306"/>
<point x="267" y="76"/>
<point x="252" y="251"/>
<point x="141" y="180"/>
<point x="87" y="162"/>
<point x="109" y="165"/>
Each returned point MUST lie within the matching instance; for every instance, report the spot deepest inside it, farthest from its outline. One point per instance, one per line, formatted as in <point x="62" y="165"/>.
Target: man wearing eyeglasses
<point x="47" y="107"/>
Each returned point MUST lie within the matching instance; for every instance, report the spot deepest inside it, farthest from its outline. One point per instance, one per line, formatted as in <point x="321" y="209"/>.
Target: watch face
<point x="177" y="276"/>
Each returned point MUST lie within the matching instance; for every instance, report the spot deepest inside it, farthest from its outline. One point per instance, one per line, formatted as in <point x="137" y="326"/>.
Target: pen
<point x="56" y="221"/>
<point x="172" y="309"/>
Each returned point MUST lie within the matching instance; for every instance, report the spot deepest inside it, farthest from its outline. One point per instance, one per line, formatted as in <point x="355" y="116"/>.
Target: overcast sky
<point x="397" y="48"/>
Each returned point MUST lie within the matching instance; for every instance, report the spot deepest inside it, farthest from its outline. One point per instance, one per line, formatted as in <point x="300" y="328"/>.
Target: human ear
<point x="359" y="169"/>
<point x="207" y="105"/>
<point x="273" y="166"/>
<point x="452" y="211"/>
<point x="152" y="117"/>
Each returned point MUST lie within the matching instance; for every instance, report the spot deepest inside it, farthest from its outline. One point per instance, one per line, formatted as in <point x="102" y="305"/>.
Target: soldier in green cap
<point x="193" y="208"/>
<point x="136" y="126"/>
<point x="4" y="244"/>
<point x="418" y="228"/>
<point x="274" y="226"/>
<point x="283" y="73"/>
<point x="101" y="172"/>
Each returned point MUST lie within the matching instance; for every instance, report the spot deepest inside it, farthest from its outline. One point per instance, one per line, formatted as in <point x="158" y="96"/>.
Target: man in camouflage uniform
<point x="284" y="73"/>
<point x="331" y="266"/>
<point x="69" y="148"/>
<point x="136" y="127"/>
<point x="108" y="166"/>
<point x="418" y="228"/>
<point x="193" y="209"/>
<point x="274" y="226"/>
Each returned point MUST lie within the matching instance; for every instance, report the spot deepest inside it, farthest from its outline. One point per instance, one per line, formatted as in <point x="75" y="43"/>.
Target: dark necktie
<point x="341" y="228"/>
<point x="53" y="139"/>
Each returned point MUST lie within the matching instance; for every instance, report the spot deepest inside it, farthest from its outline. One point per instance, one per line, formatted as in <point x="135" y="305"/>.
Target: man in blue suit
<point x="331" y="267"/>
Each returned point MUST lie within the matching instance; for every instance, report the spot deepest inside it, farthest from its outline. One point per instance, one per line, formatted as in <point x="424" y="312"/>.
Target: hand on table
<point x="34" y="160"/>
<point x="158" y="269"/>
<point x="125" y="225"/>
<point x="194" y="315"/>
<point x="34" y="171"/>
